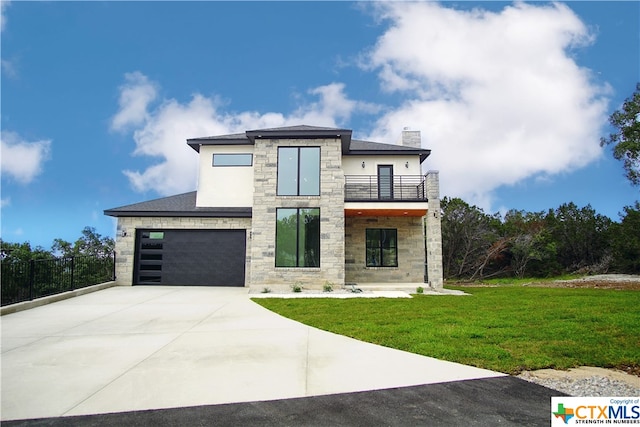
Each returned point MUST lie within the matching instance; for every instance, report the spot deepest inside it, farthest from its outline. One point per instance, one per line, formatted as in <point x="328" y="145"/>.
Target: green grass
<point x="506" y="329"/>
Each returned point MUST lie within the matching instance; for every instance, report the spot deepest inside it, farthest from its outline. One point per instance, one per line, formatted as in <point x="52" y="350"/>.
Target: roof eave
<point x="343" y="134"/>
<point x="233" y="213"/>
<point x="196" y="143"/>
<point x="423" y="156"/>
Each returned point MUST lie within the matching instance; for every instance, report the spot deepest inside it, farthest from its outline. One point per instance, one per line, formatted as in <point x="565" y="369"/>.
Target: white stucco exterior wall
<point x="352" y="165"/>
<point x="224" y="186"/>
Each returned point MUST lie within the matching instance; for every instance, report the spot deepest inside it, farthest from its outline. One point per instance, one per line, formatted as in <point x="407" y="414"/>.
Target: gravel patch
<point x="311" y="294"/>
<point x="609" y="277"/>
<point x="278" y="291"/>
<point x="586" y="381"/>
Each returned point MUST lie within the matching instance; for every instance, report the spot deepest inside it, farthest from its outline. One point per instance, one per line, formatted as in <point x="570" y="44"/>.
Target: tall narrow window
<point x="298" y="237"/>
<point x="298" y="171"/>
<point x="382" y="247"/>
<point x="385" y="181"/>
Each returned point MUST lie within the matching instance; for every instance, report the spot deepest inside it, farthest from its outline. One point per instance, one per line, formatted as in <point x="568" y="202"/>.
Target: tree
<point x="91" y="243"/>
<point x="568" y="239"/>
<point x="530" y="243"/>
<point x="581" y="236"/>
<point x="14" y="252"/>
<point x="626" y="139"/>
<point x="625" y="241"/>
<point x="468" y="234"/>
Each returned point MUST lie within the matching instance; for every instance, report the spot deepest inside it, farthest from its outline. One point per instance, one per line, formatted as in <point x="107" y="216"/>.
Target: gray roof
<point x="181" y="205"/>
<point x="300" y="128"/>
<point x="243" y="135"/>
<point x="249" y="137"/>
<point x="349" y="146"/>
<point x="238" y="136"/>
<point x="360" y="148"/>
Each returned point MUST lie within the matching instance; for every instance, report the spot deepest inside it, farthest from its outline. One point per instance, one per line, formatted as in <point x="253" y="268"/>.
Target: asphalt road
<point x="501" y="401"/>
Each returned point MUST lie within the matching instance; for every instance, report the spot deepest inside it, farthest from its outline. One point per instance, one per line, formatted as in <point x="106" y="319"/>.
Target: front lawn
<point x="506" y="329"/>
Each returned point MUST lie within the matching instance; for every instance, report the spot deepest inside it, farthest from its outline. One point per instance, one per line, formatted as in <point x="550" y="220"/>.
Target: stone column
<point x="433" y="232"/>
<point x="266" y="201"/>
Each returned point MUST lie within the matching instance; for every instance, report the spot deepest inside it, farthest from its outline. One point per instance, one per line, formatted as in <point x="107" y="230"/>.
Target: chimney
<point x="411" y="138"/>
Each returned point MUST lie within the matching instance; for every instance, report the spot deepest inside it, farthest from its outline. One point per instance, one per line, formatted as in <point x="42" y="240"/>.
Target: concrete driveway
<point x="135" y="348"/>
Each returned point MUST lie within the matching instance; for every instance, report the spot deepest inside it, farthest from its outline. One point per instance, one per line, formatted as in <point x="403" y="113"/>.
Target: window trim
<point x="379" y="247"/>
<point x="298" y="170"/>
<point x="297" y="250"/>
<point x="235" y="165"/>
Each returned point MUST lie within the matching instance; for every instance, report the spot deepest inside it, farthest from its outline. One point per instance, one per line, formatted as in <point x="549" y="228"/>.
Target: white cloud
<point x="9" y="68"/>
<point x="3" y="19"/>
<point x="135" y="96"/>
<point x="5" y="202"/>
<point x="332" y="107"/>
<point x="497" y="95"/>
<point x="162" y="131"/>
<point x="22" y="160"/>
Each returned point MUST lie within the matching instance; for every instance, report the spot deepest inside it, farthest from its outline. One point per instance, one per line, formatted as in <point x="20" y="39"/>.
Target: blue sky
<point x="98" y="98"/>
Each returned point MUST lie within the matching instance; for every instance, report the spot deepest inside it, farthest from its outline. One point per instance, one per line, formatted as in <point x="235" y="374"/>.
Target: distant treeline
<point x="28" y="273"/>
<point x="475" y="245"/>
<point x="90" y="243"/>
<point x="568" y="239"/>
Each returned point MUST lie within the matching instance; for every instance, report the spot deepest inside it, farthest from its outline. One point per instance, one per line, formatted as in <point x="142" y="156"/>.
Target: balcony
<point x="374" y="188"/>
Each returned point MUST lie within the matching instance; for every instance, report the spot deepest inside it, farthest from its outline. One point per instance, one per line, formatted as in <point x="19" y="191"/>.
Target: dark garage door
<point x="190" y="257"/>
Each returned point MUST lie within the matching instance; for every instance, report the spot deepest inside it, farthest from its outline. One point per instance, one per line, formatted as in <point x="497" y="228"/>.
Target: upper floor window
<point x="241" y="159"/>
<point x="298" y="171"/>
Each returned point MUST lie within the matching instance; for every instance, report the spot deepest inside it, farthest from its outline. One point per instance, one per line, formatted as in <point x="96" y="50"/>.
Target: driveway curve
<point x="138" y="348"/>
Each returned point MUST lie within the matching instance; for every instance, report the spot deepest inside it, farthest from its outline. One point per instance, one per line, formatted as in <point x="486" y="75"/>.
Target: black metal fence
<point x="27" y="280"/>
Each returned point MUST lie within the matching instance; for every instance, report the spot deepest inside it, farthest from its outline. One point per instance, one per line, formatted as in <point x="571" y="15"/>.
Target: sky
<point x="98" y="98"/>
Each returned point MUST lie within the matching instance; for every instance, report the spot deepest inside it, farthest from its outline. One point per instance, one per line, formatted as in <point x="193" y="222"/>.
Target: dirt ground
<point x="600" y="281"/>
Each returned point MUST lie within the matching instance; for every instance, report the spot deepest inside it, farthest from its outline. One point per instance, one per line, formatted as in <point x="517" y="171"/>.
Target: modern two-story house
<point x="301" y="204"/>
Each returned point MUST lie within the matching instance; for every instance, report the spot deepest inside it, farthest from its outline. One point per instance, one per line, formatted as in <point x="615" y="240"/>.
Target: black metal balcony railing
<point x="385" y="189"/>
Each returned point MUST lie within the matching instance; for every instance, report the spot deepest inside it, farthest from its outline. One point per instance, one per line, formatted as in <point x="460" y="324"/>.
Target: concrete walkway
<point x="134" y="348"/>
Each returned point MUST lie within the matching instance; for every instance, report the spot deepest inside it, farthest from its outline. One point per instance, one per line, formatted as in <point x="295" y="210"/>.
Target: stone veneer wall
<point x="434" y="232"/>
<point x="410" y="251"/>
<point x="125" y="246"/>
<point x="330" y="202"/>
